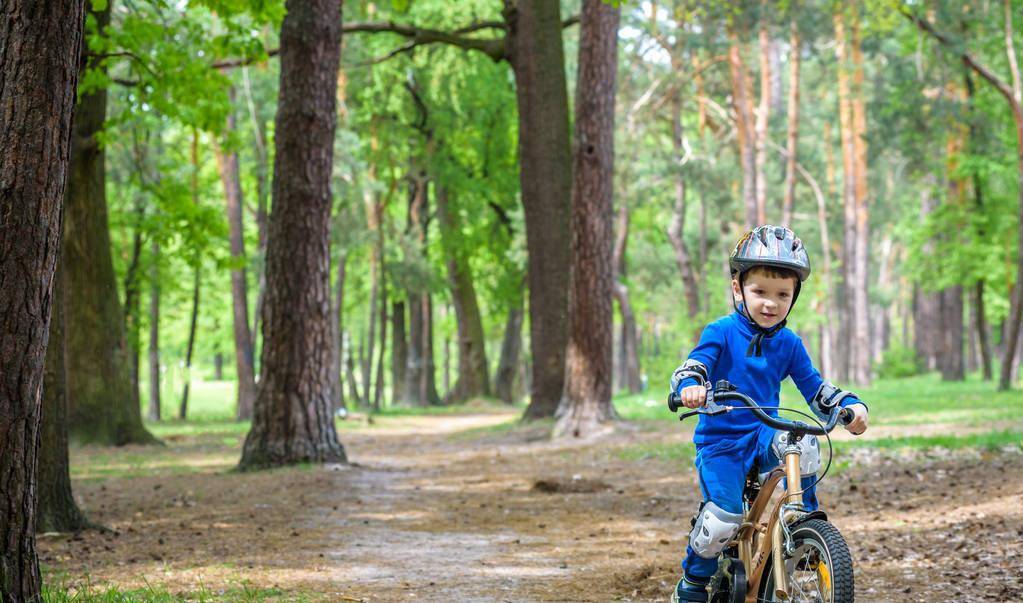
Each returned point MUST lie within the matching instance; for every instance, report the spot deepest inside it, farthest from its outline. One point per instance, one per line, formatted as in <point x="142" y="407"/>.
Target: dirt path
<point x="431" y="512"/>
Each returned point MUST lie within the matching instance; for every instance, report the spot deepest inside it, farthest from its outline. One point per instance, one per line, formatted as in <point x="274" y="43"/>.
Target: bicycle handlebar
<point x="726" y="391"/>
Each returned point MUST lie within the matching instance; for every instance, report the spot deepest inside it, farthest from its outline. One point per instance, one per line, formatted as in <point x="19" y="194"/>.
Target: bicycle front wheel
<point x="820" y="570"/>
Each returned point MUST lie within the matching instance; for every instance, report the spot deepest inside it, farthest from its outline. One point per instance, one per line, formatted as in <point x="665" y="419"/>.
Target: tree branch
<point x="495" y="48"/>
<point x="966" y="58"/>
<point x="231" y="63"/>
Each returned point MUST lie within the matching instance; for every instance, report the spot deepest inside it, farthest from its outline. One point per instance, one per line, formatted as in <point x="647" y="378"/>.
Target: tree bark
<point x="629" y="348"/>
<point x="38" y="77"/>
<point x="230" y="177"/>
<point x="57" y="510"/>
<point x="98" y="363"/>
<point x="154" y="333"/>
<point x="795" y="54"/>
<point x="378" y="387"/>
<point x="848" y="260"/>
<point x="952" y="366"/>
<point x="763" y="114"/>
<point x="373" y="225"/>
<point x="676" y="228"/>
<point x="337" y="329"/>
<point x="511" y="349"/>
<point x="545" y="163"/>
<point x="586" y="404"/>
<point x="742" y="103"/>
<point x="399" y="351"/>
<point x="473" y="378"/>
<point x="132" y="305"/>
<point x="292" y="422"/>
<point x="861" y="282"/>
<point x="190" y="347"/>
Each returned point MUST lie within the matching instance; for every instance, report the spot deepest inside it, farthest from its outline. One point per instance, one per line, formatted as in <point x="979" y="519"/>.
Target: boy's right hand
<point x="693" y="396"/>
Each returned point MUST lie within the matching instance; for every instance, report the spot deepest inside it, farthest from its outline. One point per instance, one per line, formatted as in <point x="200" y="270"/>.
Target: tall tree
<point x="742" y="103"/>
<point x="1013" y="95"/>
<point x="101" y="406"/>
<point x="57" y="510"/>
<point x="38" y="76"/>
<point x="292" y="419"/>
<point x="792" y="147"/>
<point x="586" y="403"/>
<point x="230" y="177"/>
<point x="473" y="377"/>
<point x="511" y="349"/>
<point x="196" y="287"/>
<point x="154" y="333"/>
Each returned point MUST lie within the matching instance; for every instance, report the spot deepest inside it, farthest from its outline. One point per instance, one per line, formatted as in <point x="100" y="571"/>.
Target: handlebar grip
<point x="845" y="416"/>
<point x="674" y="401"/>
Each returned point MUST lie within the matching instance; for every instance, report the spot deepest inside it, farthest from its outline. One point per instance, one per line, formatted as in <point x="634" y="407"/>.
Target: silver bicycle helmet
<point x="768" y="245"/>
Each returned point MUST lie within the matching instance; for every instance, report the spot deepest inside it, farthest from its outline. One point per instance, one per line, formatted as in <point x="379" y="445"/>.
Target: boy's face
<point x="768" y="298"/>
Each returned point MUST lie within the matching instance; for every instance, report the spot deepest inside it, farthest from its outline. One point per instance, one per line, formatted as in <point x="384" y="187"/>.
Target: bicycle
<point x="815" y="566"/>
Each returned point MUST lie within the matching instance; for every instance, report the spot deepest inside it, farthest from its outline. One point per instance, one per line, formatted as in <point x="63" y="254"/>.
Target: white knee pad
<point x="714" y="528"/>
<point x="809" y="449"/>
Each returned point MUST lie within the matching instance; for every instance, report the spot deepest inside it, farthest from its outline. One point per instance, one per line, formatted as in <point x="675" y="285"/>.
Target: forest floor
<point x="477" y="507"/>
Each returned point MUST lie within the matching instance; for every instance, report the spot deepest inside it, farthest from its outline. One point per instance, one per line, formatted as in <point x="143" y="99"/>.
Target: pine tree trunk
<point x="980" y="325"/>
<point x="97" y="360"/>
<point x="132" y="305"/>
<point x="337" y="332"/>
<point x="154" y="333"/>
<point x="429" y="382"/>
<point x="230" y="177"/>
<point x="39" y="68"/>
<point x="742" y="103"/>
<point x="538" y="62"/>
<point x="473" y="377"/>
<point x="415" y="372"/>
<point x="861" y="280"/>
<point x="57" y="510"/>
<point x="292" y="422"/>
<point x="792" y="146"/>
<point x="763" y="115"/>
<point x="848" y="327"/>
<point x="586" y="404"/>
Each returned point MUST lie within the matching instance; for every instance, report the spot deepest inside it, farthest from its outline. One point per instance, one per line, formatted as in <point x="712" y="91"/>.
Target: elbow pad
<point x="690" y="369"/>
<point x="827" y="398"/>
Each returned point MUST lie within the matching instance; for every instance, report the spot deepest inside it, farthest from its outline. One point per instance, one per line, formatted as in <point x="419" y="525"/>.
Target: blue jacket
<point x="722" y="349"/>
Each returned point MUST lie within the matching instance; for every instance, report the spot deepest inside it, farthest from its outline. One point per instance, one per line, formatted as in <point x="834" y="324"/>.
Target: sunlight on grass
<point x="57" y="590"/>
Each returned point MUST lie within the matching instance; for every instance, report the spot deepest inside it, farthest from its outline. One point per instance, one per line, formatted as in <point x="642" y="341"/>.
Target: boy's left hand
<point x="859" y="422"/>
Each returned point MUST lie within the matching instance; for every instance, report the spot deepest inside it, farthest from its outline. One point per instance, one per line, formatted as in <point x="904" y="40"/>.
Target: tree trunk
<point x="243" y="352"/>
<point x="952" y="368"/>
<point x="337" y="332"/>
<point x="848" y="326"/>
<point x="586" y="404"/>
<point x="742" y="103"/>
<point x="154" y="333"/>
<point x="980" y="325"/>
<point x="795" y="54"/>
<point x="545" y="163"/>
<point x="262" y="193"/>
<point x="473" y="378"/>
<point x="676" y="229"/>
<point x="57" y="510"/>
<point x="429" y="382"/>
<point x="373" y="224"/>
<point x="97" y="360"/>
<point x="183" y="409"/>
<point x="378" y="388"/>
<point x="132" y="305"/>
<point x="353" y="388"/>
<point x="629" y="348"/>
<point x="861" y="282"/>
<point x="511" y="348"/>
<point x="292" y="422"/>
<point x="763" y="114"/>
<point x="399" y="351"/>
<point x="38" y="76"/>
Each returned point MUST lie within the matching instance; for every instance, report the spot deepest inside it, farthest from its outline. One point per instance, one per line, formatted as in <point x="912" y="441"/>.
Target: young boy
<point x="753" y="350"/>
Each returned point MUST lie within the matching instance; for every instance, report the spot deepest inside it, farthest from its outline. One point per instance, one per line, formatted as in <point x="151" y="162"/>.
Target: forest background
<point x="463" y="236"/>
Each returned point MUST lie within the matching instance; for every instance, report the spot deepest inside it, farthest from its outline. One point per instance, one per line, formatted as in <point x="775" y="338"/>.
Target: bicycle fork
<point x="779" y="536"/>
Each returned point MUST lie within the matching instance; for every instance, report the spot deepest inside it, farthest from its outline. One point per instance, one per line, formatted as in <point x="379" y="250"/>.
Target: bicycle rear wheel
<point x="820" y="571"/>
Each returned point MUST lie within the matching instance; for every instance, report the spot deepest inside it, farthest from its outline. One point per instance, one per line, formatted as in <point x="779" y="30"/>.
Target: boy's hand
<point x="859" y="422"/>
<point x="693" y="396"/>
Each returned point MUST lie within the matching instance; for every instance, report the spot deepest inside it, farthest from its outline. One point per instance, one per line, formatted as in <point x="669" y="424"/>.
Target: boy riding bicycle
<point x="752" y="349"/>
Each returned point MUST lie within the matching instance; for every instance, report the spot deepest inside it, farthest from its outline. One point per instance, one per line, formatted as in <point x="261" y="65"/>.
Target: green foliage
<point x="897" y="362"/>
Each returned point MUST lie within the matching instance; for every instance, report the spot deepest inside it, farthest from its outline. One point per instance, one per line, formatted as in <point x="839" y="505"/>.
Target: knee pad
<point x="714" y="528"/>
<point x="809" y="449"/>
